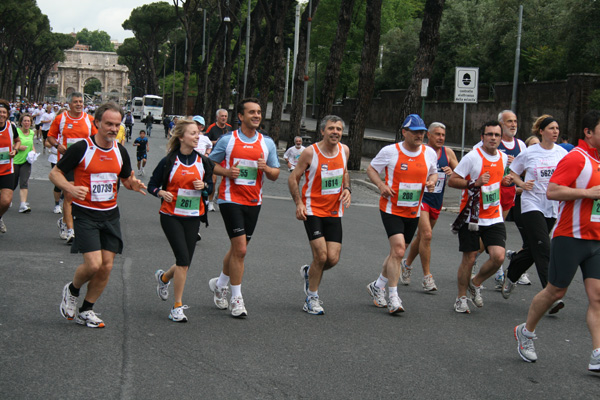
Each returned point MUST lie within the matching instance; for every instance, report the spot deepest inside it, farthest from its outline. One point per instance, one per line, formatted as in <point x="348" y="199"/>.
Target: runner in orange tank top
<point x="9" y="143"/>
<point x="483" y="169"/>
<point x="410" y="169"/>
<point x="325" y="194"/>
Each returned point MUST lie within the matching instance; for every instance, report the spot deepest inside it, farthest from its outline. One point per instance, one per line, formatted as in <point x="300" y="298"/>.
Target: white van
<point x="136" y="107"/>
<point x="153" y="104"/>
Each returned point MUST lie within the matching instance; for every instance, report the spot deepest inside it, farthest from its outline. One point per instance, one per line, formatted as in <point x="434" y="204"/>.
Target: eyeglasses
<point x="492" y="134"/>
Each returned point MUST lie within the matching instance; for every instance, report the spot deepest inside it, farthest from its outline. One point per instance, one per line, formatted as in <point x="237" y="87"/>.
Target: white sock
<point x="393" y="291"/>
<point x="313" y="294"/>
<point x="236" y="290"/>
<point x="223" y="280"/>
<point x="381" y="282"/>
<point x="596" y="352"/>
<point x="527" y="333"/>
<point x="23" y="204"/>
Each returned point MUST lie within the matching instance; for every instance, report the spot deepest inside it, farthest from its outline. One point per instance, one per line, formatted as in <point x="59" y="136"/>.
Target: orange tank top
<point x="187" y="201"/>
<point x="68" y="130"/>
<point x="324" y="183"/>
<point x="6" y="146"/>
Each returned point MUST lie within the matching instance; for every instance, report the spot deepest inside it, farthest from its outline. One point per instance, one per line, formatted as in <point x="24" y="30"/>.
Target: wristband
<point x="348" y="189"/>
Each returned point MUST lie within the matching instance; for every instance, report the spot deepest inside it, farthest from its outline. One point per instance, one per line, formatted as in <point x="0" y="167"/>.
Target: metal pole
<point x="513" y="103"/>
<point x="296" y="43"/>
<point x="287" y="79"/>
<point x="314" y="91"/>
<point x="174" y="70"/>
<point x="247" y="48"/>
<point x="307" y="63"/>
<point x="462" y="147"/>
<point x="206" y="76"/>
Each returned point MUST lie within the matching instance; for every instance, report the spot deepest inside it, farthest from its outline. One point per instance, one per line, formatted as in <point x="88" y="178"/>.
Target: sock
<point x="223" y="280"/>
<point x="177" y="304"/>
<point x="596" y="352"/>
<point x="23" y="204"/>
<point x="236" y="290"/>
<point x="381" y="282"/>
<point x="527" y="333"/>
<point x="313" y="294"/>
<point x="393" y="291"/>
<point x="163" y="278"/>
<point x="86" y="306"/>
<point x="74" y="291"/>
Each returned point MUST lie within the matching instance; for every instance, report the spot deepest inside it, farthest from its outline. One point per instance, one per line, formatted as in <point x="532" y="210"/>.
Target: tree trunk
<point x="257" y="48"/>
<point x="298" y="79"/>
<point x="366" y="82"/>
<point x="429" y="39"/>
<point x="336" y="55"/>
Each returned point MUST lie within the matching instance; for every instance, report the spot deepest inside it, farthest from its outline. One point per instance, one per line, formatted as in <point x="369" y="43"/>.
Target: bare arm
<point x="294" y="181"/>
<point x="57" y="177"/>
<point x="565" y="193"/>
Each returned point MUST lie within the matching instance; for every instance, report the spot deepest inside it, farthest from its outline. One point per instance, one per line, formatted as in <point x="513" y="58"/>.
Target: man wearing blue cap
<point x="410" y="169"/>
<point x="204" y="143"/>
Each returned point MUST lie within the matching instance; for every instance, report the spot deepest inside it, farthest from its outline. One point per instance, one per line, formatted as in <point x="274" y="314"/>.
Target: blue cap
<point x="414" y="123"/>
<point x="199" y="119"/>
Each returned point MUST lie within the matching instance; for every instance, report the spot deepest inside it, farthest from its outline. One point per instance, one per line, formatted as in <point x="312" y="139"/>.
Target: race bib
<point x="4" y="155"/>
<point x="490" y="195"/>
<point x="188" y="202"/>
<point x="71" y="141"/>
<point x="439" y="185"/>
<point x="543" y="174"/>
<point x="102" y="186"/>
<point x="248" y="172"/>
<point x="595" y="217"/>
<point x="409" y="194"/>
<point x="331" y="181"/>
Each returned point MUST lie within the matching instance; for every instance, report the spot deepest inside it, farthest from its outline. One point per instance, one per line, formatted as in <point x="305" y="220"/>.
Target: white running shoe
<point x="162" y="289"/>
<point x="90" y="319"/>
<point x="312" y="305"/>
<point x="62" y="229"/>
<point x="70" y="236"/>
<point x="57" y="209"/>
<point x="461" y="305"/>
<point x="24" y="208"/>
<point x="524" y="280"/>
<point x="304" y="273"/>
<point x="220" y="294"/>
<point x="236" y="306"/>
<point x="406" y="270"/>
<point x="429" y="283"/>
<point x="475" y="294"/>
<point x="2" y="226"/>
<point x="177" y="315"/>
<point x="211" y="206"/>
<point x="395" y="305"/>
<point x="68" y="304"/>
<point x="556" y="307"/>
<point x="499" y="278"/>
<point x="525" y="346"/>
<point x="377" y="294"/>
<point x="507" y="287"/>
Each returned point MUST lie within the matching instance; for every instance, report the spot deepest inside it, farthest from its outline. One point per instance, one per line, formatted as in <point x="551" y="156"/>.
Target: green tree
<point x="97" y="40"/>
<point x="92" y="86"/>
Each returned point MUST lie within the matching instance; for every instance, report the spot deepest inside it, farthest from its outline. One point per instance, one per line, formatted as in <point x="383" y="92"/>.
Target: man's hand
<point x="79" y="192"/>
<point x="301" y="212"/>
<point x="234" y="171"/>
<point x="482" y="180"/>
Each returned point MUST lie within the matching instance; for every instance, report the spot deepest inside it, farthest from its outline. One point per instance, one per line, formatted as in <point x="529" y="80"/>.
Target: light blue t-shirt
<point x="218" y="152"/>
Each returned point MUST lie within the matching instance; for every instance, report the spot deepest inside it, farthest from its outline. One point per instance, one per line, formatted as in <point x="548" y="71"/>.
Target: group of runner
<point x="413" y="182"/>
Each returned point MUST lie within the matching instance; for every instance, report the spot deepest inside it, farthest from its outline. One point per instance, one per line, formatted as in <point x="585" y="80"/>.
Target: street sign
<point x="424" y="86"/>
<point x="467" y="80"/>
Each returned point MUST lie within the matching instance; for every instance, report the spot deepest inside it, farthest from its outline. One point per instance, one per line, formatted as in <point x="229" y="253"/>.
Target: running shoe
<point x="556" y="307"/>
<point x="406" y="270"/>
<point x="177" y="315"/>
<point x="304" y="273"/>
<point x="377" y="294"/>
<point x="57" y="209"/>
<point x="220" y="294"/>
<point x="237" y="308"/>
<point x="199" y="238"/>
<point x="162" y="289"/>
<point x="68" y="304"/>
<point x="62" y="229"/>
<point x="2" y="226"/>
<point x="499" y="278"/>
<point x="24" y="208"/>
<point x="594" y="363"/>
<point x="70" y="236"/>
<point x="526" y="348"/>
<point x="90" y="319"/>
<point x="461" y="305"/>
<point x="395" y="305"/>
<point x="429" y="283"/>
<point x="312" y="305"/>
<point x="507" y="287"/>
<point x="524" y="280"/>
<point x="510" y="254"/>
<point x="475" y="294"/>
<point x="211" y="206"/>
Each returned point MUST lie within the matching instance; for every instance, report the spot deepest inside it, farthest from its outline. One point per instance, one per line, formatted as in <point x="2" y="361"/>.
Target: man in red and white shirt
<point x="67" y="129"/>
<point x="96" y="163"/>
<point x="325" y="194"/>
<point x="575" y="240"/>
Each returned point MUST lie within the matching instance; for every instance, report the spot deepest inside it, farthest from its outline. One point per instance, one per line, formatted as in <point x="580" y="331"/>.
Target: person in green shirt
<point x="21" y="165"/>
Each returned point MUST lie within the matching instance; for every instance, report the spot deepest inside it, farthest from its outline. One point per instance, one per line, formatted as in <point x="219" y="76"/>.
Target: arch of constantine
<point x="80" y="66"/>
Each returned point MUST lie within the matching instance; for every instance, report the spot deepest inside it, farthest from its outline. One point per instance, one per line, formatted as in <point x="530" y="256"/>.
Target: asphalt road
<point x="353" y="351"/>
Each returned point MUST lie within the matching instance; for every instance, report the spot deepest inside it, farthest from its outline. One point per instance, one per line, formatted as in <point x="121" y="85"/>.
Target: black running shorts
<point x="395" y="225"/>
<point x="566" y="254"/>
<point x="493" y="235"/>
<point x="328" y="227"/>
